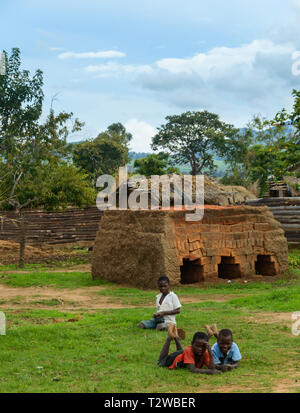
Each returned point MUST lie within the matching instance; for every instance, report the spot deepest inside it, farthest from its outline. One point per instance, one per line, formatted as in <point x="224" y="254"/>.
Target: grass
<point x="74" y="279"/>
<point x="104" y="351"/>
<point x="294" y="258"/>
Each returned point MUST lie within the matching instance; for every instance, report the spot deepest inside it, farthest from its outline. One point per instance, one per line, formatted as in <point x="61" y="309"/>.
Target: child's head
<point x="164" y="284"/>
<point x="199" y="343"/>
<point x="225" y="340"/>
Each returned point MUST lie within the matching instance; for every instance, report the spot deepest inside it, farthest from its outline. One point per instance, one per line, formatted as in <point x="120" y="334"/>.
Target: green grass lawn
<point x="104" y="351"/>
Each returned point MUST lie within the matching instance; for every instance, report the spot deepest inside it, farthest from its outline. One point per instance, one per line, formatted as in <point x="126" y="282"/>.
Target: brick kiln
<point x="136" y="247"/>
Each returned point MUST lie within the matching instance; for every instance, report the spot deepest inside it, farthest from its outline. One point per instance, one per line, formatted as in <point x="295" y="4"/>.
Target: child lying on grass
<point x="194" y="357"/>
<point x="225" y="352"/>
<point x="167" y="306"/>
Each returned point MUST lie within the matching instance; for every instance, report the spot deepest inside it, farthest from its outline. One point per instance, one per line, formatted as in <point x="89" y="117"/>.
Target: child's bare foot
<point x="214" y="329"/>
<point x="172" y="330"/>
<point x="181" y="333"/>
<point x="209" y="331"/>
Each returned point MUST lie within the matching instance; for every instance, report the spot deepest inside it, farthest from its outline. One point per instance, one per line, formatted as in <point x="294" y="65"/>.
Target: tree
<point x="237" y="156"/>
<point x="193" y="138"/>
<point x="154" y="164"/>
<point x="117" y="129"/>
<point x="33" y="155"/>
<point x="268" y="147"/>
<point x="104" y="154"/>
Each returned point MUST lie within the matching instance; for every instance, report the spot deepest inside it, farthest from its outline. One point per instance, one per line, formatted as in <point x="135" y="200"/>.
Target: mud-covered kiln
<point x="136" y="247"/>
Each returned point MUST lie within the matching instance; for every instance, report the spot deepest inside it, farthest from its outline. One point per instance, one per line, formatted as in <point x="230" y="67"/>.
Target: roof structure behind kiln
<point x="136" y="247"/>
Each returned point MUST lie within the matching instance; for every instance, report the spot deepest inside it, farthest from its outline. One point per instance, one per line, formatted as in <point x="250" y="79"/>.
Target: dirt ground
<point x="9" y="253"/>
<point x="75" y="298"/>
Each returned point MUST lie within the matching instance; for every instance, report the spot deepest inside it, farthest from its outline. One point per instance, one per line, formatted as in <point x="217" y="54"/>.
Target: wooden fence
<point x="73" y="225"/>
<point x="76" y="225"/>
<point x="286" y="211"/>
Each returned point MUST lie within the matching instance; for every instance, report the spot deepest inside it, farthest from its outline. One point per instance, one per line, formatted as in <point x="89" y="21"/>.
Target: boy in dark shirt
<point x="194" y="357"/>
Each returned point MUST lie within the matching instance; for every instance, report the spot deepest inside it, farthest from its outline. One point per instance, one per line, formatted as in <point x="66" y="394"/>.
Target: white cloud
<point x="223" y="59"/>
<point x="247" y="70"/>
<point x="142" y="133"/>
<point x="251" y="75"/>
<point x="112" y="69"/>
<point x="235" y="82"/>
<point x="105" y="54"/>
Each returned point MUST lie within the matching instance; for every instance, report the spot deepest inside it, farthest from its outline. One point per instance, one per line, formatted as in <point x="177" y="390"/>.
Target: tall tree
<point x="32" y="153"/>
<point x="194" y="138"/>
<point x="268" y="147"/>
<point x="237" y="156"/>
<point x="104" y="154"/>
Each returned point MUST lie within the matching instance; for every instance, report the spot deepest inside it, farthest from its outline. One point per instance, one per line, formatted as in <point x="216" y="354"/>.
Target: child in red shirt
<point x="194" y="357"/>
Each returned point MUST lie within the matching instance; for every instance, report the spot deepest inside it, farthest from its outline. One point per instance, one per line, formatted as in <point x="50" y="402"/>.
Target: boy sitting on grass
<point x="167" y="306"/>
<point x="225" y="352"/>
<point x="194" y="357"/>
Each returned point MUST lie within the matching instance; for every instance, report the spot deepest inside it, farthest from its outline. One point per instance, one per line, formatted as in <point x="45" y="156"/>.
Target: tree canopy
<point x="104" y="154"/>
<point x="32" y="151"/>
<point x="194" y="138"/>
<point x="34" y="154"/>
<point x="154" y="164"/>
<point x="268" y="147"/>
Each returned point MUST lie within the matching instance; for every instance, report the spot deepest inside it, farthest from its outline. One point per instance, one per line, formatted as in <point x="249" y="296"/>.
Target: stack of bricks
<point x="137" y="247"/>
<point x="231" y="242"/>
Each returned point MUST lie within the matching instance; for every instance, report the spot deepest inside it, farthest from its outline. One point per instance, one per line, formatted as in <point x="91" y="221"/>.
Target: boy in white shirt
<point x="167" y="306"/>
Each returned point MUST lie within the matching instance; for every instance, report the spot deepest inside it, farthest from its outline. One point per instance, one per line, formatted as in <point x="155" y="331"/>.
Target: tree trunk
<point x="22" y="240"/>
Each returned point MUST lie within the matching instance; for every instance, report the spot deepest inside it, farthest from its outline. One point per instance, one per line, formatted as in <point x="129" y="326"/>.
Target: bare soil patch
<point x="67" y="299"/>
<point x="290" y="385"/>
<point x="72" y="268"/>
<point x="9" y="253"/>
<point x="271" y="317"/>
<point x="72" y="299"/>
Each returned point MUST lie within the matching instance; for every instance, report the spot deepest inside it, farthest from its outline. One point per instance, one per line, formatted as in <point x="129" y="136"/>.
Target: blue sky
<point x="137" y="62"/>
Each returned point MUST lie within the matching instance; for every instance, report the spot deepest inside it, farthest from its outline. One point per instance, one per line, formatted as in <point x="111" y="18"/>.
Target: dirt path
<point x="73" y="268"/>
<point x="32" y="297"/>
<point x="88" y="298"/>
<point x="270" y="317"/>
<point x="72" y="299"/>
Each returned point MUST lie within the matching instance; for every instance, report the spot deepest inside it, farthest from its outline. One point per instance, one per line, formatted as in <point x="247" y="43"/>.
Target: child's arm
<point x="227" y="367"/>
<point x="194" y="369"/>
<point x="211" y="365"/>
<point x="211" y="369"/>
<point x="163" y="313"/>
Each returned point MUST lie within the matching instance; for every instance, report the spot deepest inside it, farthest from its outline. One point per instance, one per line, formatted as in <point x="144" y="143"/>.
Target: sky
<point x="136" y="62"/>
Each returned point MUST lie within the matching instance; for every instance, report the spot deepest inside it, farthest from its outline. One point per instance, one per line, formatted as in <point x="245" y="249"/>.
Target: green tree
<point x="268" y="147"/>
<point x="104" y="154"/>
<point x="237" y="157"/>
<point x="194" y="138"/>
<point x="33" y="155"/>
<point x="154" y="164"/>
